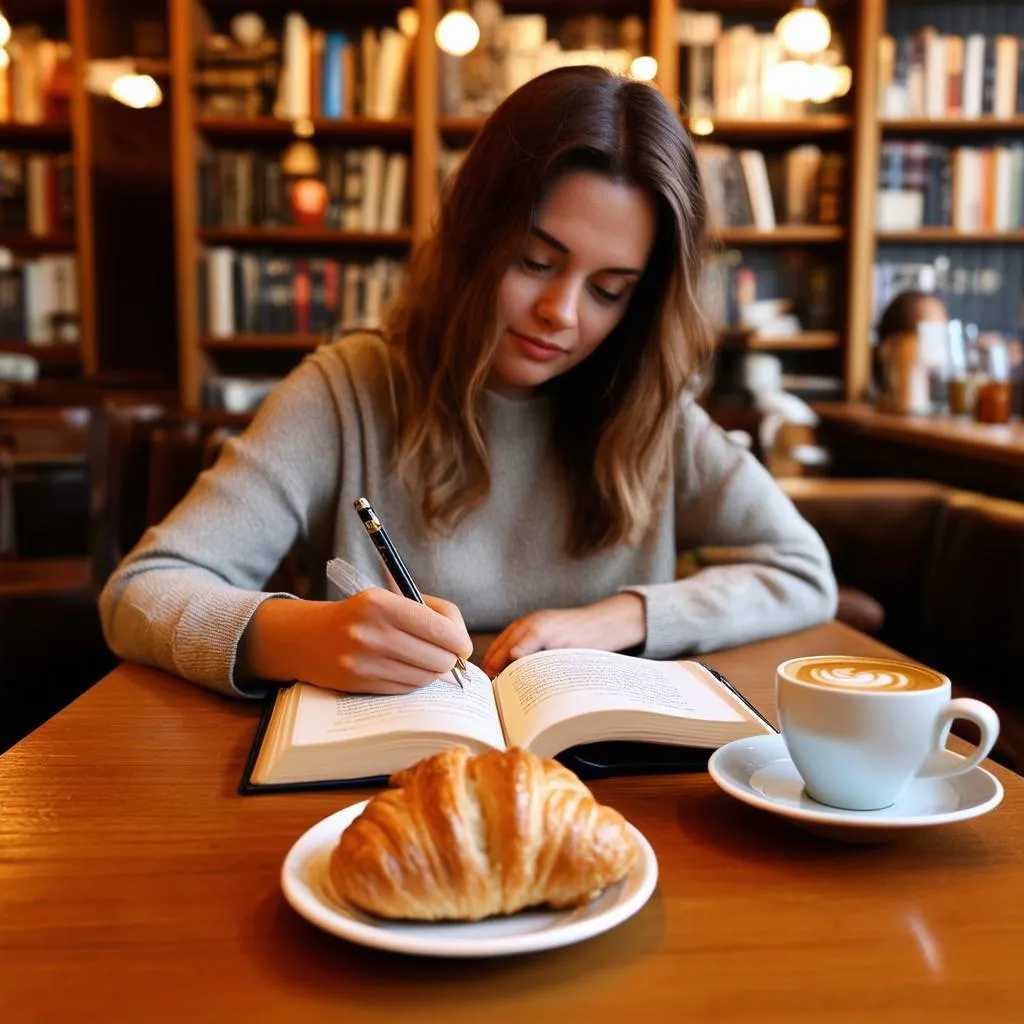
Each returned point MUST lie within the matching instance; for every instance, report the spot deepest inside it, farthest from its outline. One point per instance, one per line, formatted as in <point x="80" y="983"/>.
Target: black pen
<point x="396" y="567"/>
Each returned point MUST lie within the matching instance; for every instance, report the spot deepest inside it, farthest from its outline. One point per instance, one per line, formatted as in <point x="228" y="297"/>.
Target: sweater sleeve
<point x="182" y="598"/>
<point x="757" y="568"/>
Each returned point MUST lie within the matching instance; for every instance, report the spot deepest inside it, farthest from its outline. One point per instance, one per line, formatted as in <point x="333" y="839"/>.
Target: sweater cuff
<point x="668" y="634"/>
<point x="206" y="638"/>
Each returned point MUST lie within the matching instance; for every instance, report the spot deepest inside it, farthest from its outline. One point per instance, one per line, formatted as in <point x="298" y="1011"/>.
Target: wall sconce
<point x="457" y="32"/>
<point x="804" y="30"/>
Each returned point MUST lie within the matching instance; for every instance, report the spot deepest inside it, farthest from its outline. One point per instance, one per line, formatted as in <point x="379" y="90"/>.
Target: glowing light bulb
<point x="136" y="91"/>
<point x="5" y="31"/>
<point x="408" y="22"/>
<point x="805" y="30"/>
<point x="701" y="126"/>
<point x="5" y="58"/>
<point x="792" y="79"/>
<point x="844" y="79"/>
<point x="457" y="33"/>
<point x="644" y="68"/>
<point x="821" y="83"/>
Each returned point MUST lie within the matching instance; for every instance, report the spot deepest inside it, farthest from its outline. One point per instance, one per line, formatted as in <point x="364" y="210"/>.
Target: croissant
<point x="458" y="837"/>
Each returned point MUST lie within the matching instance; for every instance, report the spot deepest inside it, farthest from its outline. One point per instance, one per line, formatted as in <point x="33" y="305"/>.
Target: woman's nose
<point x="558" y="304"/>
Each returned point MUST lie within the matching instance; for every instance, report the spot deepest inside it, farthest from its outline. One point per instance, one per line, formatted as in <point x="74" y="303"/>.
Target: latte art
<point x="864" y="674"/>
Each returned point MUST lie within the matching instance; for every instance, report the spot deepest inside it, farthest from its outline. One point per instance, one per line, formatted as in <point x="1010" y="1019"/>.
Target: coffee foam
<point x="864" y="675"/>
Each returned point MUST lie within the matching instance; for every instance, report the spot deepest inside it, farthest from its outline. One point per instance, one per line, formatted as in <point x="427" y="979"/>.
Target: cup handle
<point x="975" y="711"/>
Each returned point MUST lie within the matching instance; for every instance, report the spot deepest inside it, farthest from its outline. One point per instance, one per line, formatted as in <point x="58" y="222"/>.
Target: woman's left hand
<point x="613" y="624"/>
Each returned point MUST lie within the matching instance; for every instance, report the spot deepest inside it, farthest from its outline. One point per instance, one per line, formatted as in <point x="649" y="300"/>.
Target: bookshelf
<point x="950" y="97"/>
<point x="42" y="132"/>
<point x="852" y="127"/>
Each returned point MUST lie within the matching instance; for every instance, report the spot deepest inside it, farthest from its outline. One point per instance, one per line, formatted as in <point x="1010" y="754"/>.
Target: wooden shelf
<point x="806" y="341"/>
<point x="14" y="134"/>
<point x="303" y="236"/>
<point x="23" y="242"/>
<point x="951" y="236"/>
<point x="813" y="126"/>
<point x="46" y="355"/>
<point x="796" y="234"/>
<point x="464" y="127"/>
<point x="953" y="125"/>
<point x="281" y="129"/>
<point x="263" y="342"/>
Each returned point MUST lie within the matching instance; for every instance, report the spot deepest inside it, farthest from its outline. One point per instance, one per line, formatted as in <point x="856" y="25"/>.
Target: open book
<point x="547" y="703"/>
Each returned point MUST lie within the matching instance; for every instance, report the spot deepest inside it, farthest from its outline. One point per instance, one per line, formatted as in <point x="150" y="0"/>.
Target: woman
<point x="522" y="427"/>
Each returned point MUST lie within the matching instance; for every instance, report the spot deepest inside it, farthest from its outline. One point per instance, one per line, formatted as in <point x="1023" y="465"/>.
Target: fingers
<point x="452" y="613"/>
<point x="427" y="621"/>
<point x="522" y="637"/>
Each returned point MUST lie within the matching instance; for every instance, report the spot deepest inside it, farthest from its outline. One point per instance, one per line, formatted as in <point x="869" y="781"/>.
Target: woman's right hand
<point x="373" y="642"/>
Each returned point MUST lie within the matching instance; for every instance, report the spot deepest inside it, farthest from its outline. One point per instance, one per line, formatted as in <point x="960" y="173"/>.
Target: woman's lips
<point x="534" y="348"/>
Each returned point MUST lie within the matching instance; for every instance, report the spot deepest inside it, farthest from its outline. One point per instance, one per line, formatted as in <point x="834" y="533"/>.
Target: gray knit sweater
<point x="183" y="597"/>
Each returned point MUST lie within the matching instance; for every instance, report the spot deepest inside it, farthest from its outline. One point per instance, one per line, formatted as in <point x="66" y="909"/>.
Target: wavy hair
<point x="615" y="412"/>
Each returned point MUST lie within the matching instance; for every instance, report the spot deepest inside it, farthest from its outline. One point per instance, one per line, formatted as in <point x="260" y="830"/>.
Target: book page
<point x="325" y="716"/>
<point x="553" y="686"/>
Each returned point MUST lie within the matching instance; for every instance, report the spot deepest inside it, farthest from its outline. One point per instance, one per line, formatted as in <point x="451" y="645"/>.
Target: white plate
<point x="759" y="772"/>
<point x="307" y="887"/>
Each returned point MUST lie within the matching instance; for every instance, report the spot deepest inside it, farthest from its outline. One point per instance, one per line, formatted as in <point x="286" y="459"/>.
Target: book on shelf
<point x="242" y="292"/>
<point x="367" y="187"/>
<point x="514" y="48"/>
<point x="747" y="188"/>
<point x="36" y="193"/>
<point x="35" y="83"/>
<point x="928" y="74"/>
<point x="38" y="298"/>
<point x="777" y="294"/>
<point x="309" y="73"/>
<point x="734" y="71"/>
<point x="967" y="188"/>
<point x="579" y="704"/>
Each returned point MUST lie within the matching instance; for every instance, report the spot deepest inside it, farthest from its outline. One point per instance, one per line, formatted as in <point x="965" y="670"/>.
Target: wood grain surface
<point x="136" y="885"/>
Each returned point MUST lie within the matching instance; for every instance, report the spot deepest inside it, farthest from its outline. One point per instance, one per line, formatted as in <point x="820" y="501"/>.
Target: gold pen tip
<point x="360" y="503"/>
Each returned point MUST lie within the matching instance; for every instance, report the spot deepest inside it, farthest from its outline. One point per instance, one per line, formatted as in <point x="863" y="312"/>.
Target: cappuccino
<point x="860" y="730"/>
<point x="869" y="675"/>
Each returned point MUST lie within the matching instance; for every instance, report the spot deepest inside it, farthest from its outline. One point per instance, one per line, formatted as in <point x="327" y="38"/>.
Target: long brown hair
<point x="615" y="412"/>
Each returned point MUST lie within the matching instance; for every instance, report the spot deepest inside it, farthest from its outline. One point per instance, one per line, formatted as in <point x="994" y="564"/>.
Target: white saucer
<point x="307" y="887"/>
<point x="759" y="772"/>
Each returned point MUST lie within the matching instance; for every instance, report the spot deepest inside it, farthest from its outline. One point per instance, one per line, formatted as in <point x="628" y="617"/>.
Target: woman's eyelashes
<point x="540" y="267"/>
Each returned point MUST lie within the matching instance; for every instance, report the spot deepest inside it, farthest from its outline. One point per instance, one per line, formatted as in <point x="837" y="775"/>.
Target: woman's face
<point x="571" y="282"/>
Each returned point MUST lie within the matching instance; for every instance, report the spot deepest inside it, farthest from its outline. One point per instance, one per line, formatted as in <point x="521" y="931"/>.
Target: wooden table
<point x="980" y="456"/>
<point x="136" y="885"/>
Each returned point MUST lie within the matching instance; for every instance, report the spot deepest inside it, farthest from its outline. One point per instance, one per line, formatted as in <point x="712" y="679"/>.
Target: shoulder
<point x="361" y="360"/>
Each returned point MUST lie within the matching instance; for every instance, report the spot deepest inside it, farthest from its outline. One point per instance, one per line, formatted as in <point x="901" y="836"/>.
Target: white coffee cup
<point x="860" y="729"/>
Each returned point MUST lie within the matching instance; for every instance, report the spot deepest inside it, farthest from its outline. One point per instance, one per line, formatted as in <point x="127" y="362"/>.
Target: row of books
<point x="38" y="298"/>
<point x="978" y="285"/>
<point x="785" y="293"/>
<point x="928" y="74"/>
<point x="731" y="72"/>
<point x="265" y="293"/>
<point x="366" y="188"/>
<point x="310" y="73"/>
<point x="926" y="185"/>
<point x="514" y="48"/>
<point x="36" y="192"/>
<point x="747" y="188"/>
<point x="35" y="83"/>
